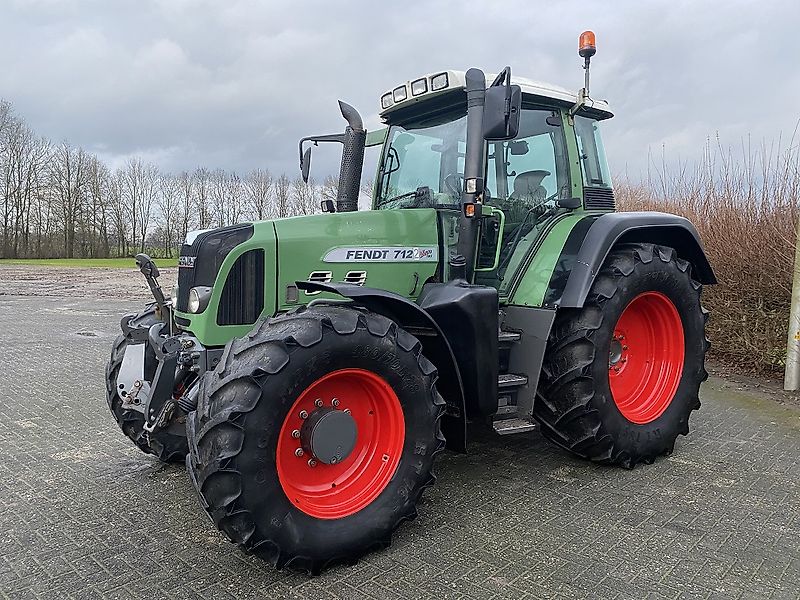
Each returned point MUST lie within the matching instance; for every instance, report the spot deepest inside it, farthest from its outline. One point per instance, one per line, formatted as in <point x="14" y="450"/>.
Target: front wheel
<point x="622" y="374"/>
<point x="315" y="436"/>
<point x="168" y="445"/>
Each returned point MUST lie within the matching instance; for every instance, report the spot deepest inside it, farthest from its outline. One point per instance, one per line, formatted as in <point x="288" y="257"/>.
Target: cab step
<point x="515" y="425"/>
<point x="508" y="337"/>
<point x="505" y="406"/>
<point x="511" y="380"/>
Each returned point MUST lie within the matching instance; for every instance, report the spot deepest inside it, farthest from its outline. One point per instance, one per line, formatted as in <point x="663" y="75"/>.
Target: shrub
<point x="746" y="210"/>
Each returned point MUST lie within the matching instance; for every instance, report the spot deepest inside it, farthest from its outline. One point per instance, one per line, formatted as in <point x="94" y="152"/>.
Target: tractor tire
<point x="258" y="456"/>
<point x="166" y="445"/>
<point x="622" y="374"/>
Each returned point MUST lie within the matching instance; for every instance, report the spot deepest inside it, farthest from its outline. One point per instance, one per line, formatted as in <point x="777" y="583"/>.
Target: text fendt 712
<point x="310" y="369"/>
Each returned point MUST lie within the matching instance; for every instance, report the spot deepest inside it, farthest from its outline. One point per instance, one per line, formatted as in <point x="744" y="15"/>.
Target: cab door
<point x="525" y="178"/>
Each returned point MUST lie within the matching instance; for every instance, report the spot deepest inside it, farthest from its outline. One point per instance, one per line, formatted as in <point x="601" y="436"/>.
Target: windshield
<point x="423" y="164"/>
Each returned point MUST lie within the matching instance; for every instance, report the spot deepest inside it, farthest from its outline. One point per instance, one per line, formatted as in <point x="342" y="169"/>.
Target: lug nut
<point x="298" y="452"/>
<point x="624" y="347"/>
<point x="347" y="411"/>
<point x="296" y="433"/>
<point x="317" y="402"/>
<point x="334" y="460"/>
<point x="335" y="402"/>
<point x="616" y="368"/>
<point x="303" y="414"/>
<point x="312" y="462"/>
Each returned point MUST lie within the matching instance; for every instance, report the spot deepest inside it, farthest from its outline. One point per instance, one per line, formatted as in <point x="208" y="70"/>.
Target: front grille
<point x="242" y="299"/>
<point x="595" y="198"/>
<point x="200" y="261"/>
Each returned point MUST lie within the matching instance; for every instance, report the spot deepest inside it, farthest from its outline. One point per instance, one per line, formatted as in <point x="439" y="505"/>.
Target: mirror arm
<point x="316" y="139"/>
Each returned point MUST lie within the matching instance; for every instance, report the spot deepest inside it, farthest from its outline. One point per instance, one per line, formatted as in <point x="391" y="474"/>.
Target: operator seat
<point x="527" y="191"/>
<point x="528" y="187"/>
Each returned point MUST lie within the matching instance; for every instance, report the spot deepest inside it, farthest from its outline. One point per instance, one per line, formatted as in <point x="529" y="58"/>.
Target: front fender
<point x="435" y="347"/>
<point x="628" y="227"/>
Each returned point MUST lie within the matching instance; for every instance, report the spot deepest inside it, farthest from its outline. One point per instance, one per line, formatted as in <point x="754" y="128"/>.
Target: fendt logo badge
<point x="383" y="254"/>
<point x="186" y="262"/>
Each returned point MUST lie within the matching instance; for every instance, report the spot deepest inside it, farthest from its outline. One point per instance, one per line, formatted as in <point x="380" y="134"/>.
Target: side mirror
<point x="305" y="164"/>
<point x="501" y="112"/>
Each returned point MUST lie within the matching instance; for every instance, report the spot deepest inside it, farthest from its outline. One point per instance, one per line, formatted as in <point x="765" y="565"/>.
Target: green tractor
<point x="310" y="369"/>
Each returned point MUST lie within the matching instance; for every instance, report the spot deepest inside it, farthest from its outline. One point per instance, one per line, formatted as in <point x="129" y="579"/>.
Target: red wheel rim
<point x="333" y="491"/>
<point x="646" y="357"/>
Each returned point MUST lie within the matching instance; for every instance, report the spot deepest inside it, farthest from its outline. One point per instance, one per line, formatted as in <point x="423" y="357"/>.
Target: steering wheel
<point x="454" y="182"/>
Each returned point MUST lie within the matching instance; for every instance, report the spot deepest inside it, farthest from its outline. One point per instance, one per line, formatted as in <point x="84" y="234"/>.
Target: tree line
<point x="58" y="200"/>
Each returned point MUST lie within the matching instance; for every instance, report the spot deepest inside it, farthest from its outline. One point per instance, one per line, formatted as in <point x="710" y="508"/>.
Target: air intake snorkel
<point x="354" y="139"/>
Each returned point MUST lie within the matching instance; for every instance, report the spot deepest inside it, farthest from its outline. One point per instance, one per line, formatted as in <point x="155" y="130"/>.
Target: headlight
<point x="386" y="100"/>
<point x="198" y="299"/>
<point x="420" y="86"/>
<point x="175" y="295"/>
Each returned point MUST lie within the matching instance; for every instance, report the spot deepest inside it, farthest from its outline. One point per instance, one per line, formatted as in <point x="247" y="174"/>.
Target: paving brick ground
<point x="84" y="514"/>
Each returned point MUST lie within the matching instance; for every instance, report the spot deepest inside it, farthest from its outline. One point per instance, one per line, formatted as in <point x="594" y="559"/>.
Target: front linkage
<point x="153" y="373"/>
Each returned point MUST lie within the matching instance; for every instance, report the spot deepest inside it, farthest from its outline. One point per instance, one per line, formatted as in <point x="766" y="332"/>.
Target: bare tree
<point x="68" y="177"/>
<point x="186" y="190"/>
<point x="258" y="189"/>
<point x="202" y="198"/>
<point x="330" y="189"/>
<point x="168" y="203"/>
<point x="139" y="188"/>
<point x="282" y="191"/>
<point x="304" y="196"/>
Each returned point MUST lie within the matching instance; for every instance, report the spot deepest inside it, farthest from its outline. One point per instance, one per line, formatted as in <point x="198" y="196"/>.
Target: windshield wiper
<point x="398" y="197"/>
<point x="423" y="193"/>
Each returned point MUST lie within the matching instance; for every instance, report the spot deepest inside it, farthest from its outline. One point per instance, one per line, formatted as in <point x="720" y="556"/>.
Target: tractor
<point x="310" y="369"/>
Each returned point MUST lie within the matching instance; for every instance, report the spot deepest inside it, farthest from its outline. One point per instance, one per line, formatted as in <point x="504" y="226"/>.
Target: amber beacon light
<point x="586" y="44"/>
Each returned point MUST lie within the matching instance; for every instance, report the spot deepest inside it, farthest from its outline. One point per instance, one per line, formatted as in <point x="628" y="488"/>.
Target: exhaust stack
<point x="355" y="138"/>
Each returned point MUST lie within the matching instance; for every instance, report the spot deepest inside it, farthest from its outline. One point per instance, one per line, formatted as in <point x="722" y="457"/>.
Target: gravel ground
<point x="93" y="282"/>
<point x="83" y="514"/>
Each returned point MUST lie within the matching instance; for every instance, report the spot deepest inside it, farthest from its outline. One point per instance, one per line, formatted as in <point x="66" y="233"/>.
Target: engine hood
<point x="391" y="250"/>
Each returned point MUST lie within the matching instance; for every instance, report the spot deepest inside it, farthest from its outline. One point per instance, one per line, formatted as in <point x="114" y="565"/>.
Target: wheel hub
<point x="340" y="443"/>
<point x="329" y="435"/>
<point x="617" y="351"/>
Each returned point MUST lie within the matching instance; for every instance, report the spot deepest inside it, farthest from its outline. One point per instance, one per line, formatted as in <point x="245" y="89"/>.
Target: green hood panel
<point x="398" y="250"/>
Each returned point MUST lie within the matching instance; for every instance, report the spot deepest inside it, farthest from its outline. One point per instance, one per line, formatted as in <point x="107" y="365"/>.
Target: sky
<point x="235" y="84"/>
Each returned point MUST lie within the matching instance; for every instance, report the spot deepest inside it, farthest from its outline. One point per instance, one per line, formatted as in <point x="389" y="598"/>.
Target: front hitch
<point x="160" y="403"/>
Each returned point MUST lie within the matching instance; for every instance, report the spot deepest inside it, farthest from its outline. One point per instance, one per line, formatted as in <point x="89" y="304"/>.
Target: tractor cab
<point x="553" y="165"/>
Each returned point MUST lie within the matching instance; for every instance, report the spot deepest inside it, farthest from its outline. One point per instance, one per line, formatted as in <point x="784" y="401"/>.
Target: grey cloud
<point x="235" y="84"/>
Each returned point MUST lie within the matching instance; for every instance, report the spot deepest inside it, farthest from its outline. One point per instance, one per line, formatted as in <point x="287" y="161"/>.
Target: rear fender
<point x="628" y="227"/>
<point x="435" y="346"/>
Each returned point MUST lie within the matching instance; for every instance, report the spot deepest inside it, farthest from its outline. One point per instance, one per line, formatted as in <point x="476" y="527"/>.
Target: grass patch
<point x="108" y="263"/>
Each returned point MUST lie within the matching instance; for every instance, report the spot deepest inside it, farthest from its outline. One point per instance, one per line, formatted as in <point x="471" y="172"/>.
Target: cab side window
<point x="592" y="153"/>
<point x="532" y="167"/>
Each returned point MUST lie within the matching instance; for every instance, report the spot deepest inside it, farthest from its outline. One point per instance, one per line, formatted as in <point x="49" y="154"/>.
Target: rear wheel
<point x="315" y="436"/>
<point x="622" y="375"/>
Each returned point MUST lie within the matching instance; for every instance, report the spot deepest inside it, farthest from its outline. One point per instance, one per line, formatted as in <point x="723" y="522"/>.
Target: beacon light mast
<point x="586" y="49"/>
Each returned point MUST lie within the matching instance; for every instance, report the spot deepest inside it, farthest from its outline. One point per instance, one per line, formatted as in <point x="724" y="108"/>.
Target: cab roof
<point x="456" y="81"/>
